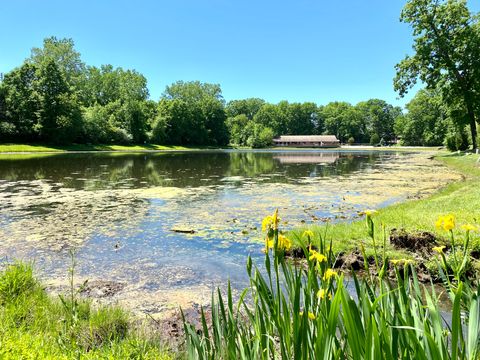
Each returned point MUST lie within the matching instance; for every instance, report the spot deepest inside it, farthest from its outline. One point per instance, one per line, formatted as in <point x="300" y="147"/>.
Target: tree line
<point x="54" y="97"/>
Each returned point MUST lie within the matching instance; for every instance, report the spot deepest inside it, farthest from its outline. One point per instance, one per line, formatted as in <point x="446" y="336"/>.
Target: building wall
<point x="308" y="144"/>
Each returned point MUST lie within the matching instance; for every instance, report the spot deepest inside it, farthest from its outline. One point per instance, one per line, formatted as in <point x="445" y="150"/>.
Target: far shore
<point x="82" y="148"/>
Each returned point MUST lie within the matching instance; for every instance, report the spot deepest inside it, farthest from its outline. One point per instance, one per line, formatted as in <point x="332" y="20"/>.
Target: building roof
<point x="307" y="138"/>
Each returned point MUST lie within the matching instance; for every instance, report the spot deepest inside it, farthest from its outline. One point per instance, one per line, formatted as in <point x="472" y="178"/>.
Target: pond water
<point x="118" y="210"/>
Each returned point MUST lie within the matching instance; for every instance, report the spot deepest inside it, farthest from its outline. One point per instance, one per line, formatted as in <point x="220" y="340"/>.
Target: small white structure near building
<point x="324" y="141"/>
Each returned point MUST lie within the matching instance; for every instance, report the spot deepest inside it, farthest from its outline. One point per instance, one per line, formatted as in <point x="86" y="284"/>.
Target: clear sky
<point x="297" y="50"/>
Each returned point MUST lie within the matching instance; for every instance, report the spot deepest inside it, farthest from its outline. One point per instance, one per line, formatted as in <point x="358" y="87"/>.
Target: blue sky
<point x="298" y="50"/>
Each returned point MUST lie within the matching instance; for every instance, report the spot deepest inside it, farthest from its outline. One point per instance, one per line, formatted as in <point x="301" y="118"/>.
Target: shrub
<point x="351" y="140"/>
<point x="15" y="281"/>
<point x="374" y="139"/>
<point x="457" y="140"/>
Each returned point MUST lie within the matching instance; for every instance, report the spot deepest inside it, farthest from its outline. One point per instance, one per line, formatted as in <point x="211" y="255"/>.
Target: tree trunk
<point x="473" y="125"/>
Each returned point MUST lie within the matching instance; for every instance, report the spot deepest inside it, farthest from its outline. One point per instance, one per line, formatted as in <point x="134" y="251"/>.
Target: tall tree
<point x="343" y="120"/>
<point x="274" y="117"/>
<point x="426" y="121"/>
<point x="62" y="52"/>
<point x="301" y="118"/>
<point x="59" y="115"/>
<point x="193" y="113"/>
<point x="447" y="53"/>
<point x="22" y="102"/>
<point x="378" y="118"/>
<point x="249" y="107"/>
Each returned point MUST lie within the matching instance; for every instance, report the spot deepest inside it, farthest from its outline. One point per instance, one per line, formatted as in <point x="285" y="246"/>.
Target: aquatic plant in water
<point x="382" y="319"/>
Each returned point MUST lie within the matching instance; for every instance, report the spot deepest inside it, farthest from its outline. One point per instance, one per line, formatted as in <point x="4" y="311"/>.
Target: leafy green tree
<point x="259" y="136"/>
<point x="7" y="129"/>
<point x="302" y="118"/>
<point x="378" y="118"/>
<point x="62" y="52"/>
<point x="274" y="117"/>
<point x="237" y="126"/>
<point x="447" y="53"/>
<point x="426" y="122"/>
<point x="194" y="113"/>
<point x="59" y="115"/>
<point x="343" y="120"/>
<point x="124" y="93"/>
<point x="21" y="103"/>
<point x="375" y="140"/>
<point x="106" y="84"/>
<point x="249" y="107"/>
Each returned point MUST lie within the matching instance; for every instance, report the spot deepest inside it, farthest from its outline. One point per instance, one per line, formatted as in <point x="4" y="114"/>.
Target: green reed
<point x="305" y="311"/>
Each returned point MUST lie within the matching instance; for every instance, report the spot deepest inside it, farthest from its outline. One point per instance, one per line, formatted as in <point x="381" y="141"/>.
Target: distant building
<point x="307" y="141"/>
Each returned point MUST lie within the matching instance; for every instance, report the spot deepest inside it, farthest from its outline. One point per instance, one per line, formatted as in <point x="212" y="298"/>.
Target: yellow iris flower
<point x="267" y="222"/>
<point x="283" y="243"/>
<point x="446" y="222"/>
<point x="308" y="233"/>
<point x="321" y="294"/>
<point x="469" y="227"/>
<point x="275" y="219"/>
<point x="311" y="315"/>
<point x="328" y="274"/>
<point x="438" y="249"/>
<point x="314" y="255"/>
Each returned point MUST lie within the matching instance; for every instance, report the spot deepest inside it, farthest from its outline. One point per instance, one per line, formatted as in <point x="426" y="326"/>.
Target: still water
<point x="119" y="211"/>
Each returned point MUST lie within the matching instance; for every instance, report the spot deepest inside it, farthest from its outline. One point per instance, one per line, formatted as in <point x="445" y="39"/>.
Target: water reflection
<point x="188" y="169"/>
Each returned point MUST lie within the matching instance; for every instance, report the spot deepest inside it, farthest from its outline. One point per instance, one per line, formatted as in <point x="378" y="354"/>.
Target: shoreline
<point x="412" y="219"/>
<point x="13" y="149"/>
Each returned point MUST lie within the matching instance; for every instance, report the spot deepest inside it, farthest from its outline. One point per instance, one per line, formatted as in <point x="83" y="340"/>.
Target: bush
<point x="457" y="140"/>
<point x="15" y="281"/>
<point x="351" y="140"/>
<point x="374" y="140"/>
<point x="259" y="136"/>
<point x="158" y="134"/>
<point x="7" y="131"/>
<point x="120" y="136"/>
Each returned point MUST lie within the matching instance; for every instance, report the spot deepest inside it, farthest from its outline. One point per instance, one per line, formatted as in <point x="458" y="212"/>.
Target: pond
<point x="118" y="211"/>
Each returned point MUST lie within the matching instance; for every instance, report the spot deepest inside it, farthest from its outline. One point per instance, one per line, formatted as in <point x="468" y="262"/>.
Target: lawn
<point x="6" y="148"/>
<point x="462" y="199"/>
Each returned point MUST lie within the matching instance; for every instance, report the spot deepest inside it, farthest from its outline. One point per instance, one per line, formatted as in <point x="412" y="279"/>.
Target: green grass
<point x="461" y="199"/>
<point x="7" y="148"/>
<point x="33" y="148"/>
<point x="35" y="325"/>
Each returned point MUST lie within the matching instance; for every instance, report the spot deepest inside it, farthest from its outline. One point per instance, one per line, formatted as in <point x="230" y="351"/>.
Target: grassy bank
<point x="462" y="199"/>
<point x="35" y="325"/>
<point x="11" y="148"/>
<point x="37" y="148"/>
